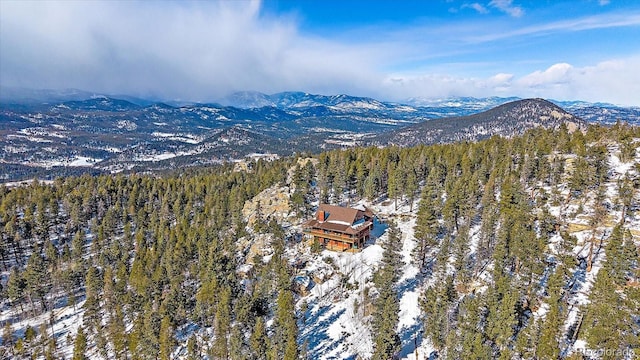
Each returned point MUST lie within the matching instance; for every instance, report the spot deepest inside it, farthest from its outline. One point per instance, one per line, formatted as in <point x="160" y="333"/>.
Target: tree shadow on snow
<point x="317" y="340"/>
<point x="411" y="337"/>
<point x="409" y="285"/>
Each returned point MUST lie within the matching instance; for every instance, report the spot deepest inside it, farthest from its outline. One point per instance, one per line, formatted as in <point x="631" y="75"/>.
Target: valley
<point x="108" y="135"/>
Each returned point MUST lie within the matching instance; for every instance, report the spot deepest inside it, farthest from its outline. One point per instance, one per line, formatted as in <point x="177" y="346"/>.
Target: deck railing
<point x="332" y="236"/>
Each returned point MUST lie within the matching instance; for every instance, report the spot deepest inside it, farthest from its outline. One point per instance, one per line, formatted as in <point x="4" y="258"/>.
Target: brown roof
<point x="338" y="218"/>
<point x="338" y="213"/>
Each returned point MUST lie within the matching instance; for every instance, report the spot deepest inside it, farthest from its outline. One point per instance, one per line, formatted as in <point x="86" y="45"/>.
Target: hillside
<point x="509" y="119"/>
<point x="521" y="247"/>
<point x="104" y="134"/>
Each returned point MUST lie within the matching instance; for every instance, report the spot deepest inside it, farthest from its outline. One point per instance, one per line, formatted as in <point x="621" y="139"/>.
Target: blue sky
<point x="391" y="50"/>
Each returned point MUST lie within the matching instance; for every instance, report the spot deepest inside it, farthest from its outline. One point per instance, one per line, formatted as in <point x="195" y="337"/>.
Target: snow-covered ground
<point x="76" y="161"/>
<point x="67" y="321"/>
<point x="337" y="320"/>
<point x="186" y="138"/>
<point x="166" y="155"/>
<point x="26" y="183"/>
<point x="337" y="323"/>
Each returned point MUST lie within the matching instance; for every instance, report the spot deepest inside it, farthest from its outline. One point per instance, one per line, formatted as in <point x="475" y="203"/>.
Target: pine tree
<point x="80" y="345"/>
<point x="149" y="345"/>
<point x="237" y="347"/>
<point x="37" y="279"/>
<point x="550" y="336"/>
<point x="528" y="339"/>
<point x="258" y="340"/>
<point x="427" y="227"/>
<point x="50" y="350"/>
<point x="166" y="341"/>
<point x="387" y="305"/>
<point x="116" y="332"/>
<point x="7" y="335"/>
<point x="385" y="321"/>
<point x="77" y="245"/>
<point x="92" y="304"/>
<point x="604" y="316"/>
<point x="370" y="191"/>
<point x="473" y="345"/>
<point x="502" y="319"/>
<point x="192" y="348"/>
<point x="222" y="325"/>
<point x="436" y="304"/>
<point x="411" y="187"/>
<point x="286" y="328"/>
<point x="19" y="347"/>
<point x="134" y="337"/>
<point x="29" y="333"/>
<point x="16" y="286"/>
<point x="393" y="185"/>
<point x="612" y="305"/>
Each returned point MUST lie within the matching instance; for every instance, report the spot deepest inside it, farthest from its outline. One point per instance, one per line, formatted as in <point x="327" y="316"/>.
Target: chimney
<point x="320" y="215"/>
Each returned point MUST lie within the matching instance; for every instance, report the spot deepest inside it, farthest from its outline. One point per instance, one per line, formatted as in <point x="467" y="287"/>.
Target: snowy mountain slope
<point x="42" y="138"/>
<point x="506" y="120"/>
<point x="602" y="113"/>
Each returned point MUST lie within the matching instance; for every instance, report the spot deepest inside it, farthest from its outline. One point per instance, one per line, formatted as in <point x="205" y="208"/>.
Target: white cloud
<point x="556" y="74"/>
<point x="507" y="7"/>
<point x="201" y="51"/>
<point x="444" y="85"/>
<point x="191" y="50"/>
<point x="603" y="2"/>
<point x="477" y="7"/>
<point x="615" y="81"/>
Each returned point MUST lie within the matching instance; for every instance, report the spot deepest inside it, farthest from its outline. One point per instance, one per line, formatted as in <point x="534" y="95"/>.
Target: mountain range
<point x="50" y="133"/>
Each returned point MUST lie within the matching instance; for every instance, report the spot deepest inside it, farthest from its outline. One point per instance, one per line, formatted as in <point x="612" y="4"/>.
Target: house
<point x="340" y="228"/>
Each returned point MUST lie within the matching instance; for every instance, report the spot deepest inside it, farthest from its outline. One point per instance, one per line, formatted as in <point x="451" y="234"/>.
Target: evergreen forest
<point x="519" y="248"/>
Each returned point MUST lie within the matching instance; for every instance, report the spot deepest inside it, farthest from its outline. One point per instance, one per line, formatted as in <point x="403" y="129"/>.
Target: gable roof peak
<point x="339" y="213"/>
